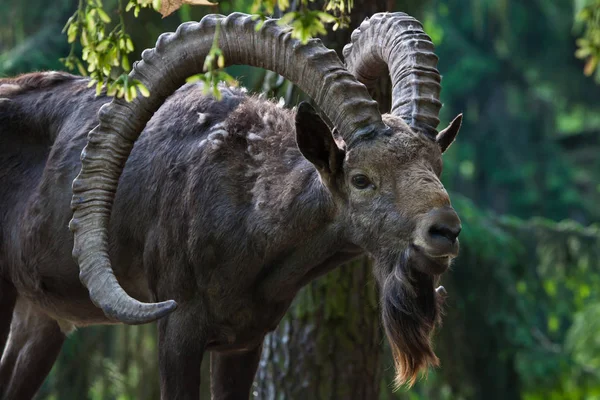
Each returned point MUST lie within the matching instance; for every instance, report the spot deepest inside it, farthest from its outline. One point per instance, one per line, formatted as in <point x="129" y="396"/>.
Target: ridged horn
<point x="397" y="42"/>
<point x="314" y="68"/>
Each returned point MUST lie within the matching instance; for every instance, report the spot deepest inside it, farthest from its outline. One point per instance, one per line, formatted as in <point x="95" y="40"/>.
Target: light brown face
<point x="401" y="214"/>
<point x="396" y="200"/>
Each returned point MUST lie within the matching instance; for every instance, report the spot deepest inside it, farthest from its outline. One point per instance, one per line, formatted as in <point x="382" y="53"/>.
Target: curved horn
<point x="314" y="68"/>
<point x="396" y="41"/>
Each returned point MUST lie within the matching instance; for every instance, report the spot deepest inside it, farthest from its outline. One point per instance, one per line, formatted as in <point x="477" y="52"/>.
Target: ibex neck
<point x="308" y="234"/>
<point x="295" y="197"/>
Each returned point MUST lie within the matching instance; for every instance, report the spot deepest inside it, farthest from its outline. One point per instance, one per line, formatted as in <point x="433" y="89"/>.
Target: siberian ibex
<point x="224" y="209"/>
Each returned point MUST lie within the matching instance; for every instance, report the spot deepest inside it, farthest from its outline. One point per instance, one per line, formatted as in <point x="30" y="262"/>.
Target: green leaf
<point x="583" y="52"/>
<point x="84" y="38"/>
<point x="103" y="45"/>
<point x="125" y="63"/>
<point x="194" y="78"/>
<point x="103" y="16"/>
<point x="112" y="89"/>
<point x="142" y="88"/>
<point x="72" y="33"/>
<point x="131" y="90"/>
<point x="81" y="68"/>
<point x="327" y="18"/>
<point x="90" y="22"/>
<point x="129" y="44"/>
<point x="287" y="18"/>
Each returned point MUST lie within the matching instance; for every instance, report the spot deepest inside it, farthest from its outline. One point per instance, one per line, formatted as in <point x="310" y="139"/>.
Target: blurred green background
<point x="523" y="316"/>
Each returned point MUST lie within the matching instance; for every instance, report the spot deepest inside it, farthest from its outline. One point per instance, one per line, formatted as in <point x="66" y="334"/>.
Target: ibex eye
<point x="361" y="181"/>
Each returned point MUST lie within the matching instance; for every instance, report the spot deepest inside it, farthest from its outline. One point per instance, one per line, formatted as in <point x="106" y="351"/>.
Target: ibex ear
<point x="315" y="141"/>
<point x="447" y="136"/>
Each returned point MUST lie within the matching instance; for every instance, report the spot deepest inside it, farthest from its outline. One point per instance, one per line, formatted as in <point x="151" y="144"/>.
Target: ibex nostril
<point x="450" y="233"/>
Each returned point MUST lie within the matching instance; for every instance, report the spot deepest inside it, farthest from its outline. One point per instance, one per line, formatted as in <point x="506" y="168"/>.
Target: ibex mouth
<point x="426" y="263"/>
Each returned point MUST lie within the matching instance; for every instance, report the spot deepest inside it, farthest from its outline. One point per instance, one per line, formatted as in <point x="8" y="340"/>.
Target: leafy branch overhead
<point x="106" y="45"/>
<point x="105" y="52"/>
<point x="588" y="16"/>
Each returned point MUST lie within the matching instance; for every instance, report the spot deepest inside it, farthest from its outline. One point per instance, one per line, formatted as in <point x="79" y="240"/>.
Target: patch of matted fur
<point x="264" y="126"/>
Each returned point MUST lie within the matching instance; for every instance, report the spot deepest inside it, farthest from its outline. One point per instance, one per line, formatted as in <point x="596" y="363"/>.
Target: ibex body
<point x="226" y="207"/>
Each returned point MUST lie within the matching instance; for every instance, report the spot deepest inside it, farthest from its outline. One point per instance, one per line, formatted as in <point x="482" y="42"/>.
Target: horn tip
<point x="143" y="316"/>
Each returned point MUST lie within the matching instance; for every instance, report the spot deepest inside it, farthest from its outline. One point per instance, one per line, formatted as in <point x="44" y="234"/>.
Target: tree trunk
<point x="329" y="344"/>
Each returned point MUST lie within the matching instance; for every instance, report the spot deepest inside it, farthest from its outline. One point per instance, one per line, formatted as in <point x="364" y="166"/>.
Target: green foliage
<point x="562" y="283"/>
<point x="588" y="18"/>
<point x="106" y="52"/>
<point x="306" y="23"/>
<point x="137" y="5"/>
<point x="583" y="340"/>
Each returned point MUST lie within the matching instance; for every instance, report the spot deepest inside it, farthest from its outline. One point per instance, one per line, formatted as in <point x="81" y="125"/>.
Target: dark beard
<point x="410" y="311"/>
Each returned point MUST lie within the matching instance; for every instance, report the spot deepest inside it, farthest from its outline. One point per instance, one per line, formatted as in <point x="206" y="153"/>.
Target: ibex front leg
<point x="182" y="339"/>
<point x="232" y="374"/>
<point x="34" y="343"/>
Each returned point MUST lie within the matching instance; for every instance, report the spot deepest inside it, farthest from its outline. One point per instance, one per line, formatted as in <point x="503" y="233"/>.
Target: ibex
<point x="224" y="209"/>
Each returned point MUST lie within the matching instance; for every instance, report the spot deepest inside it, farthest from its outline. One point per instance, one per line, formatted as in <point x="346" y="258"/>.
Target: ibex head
<point x="387" y="180"/>
<point x="382" y="173"/>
